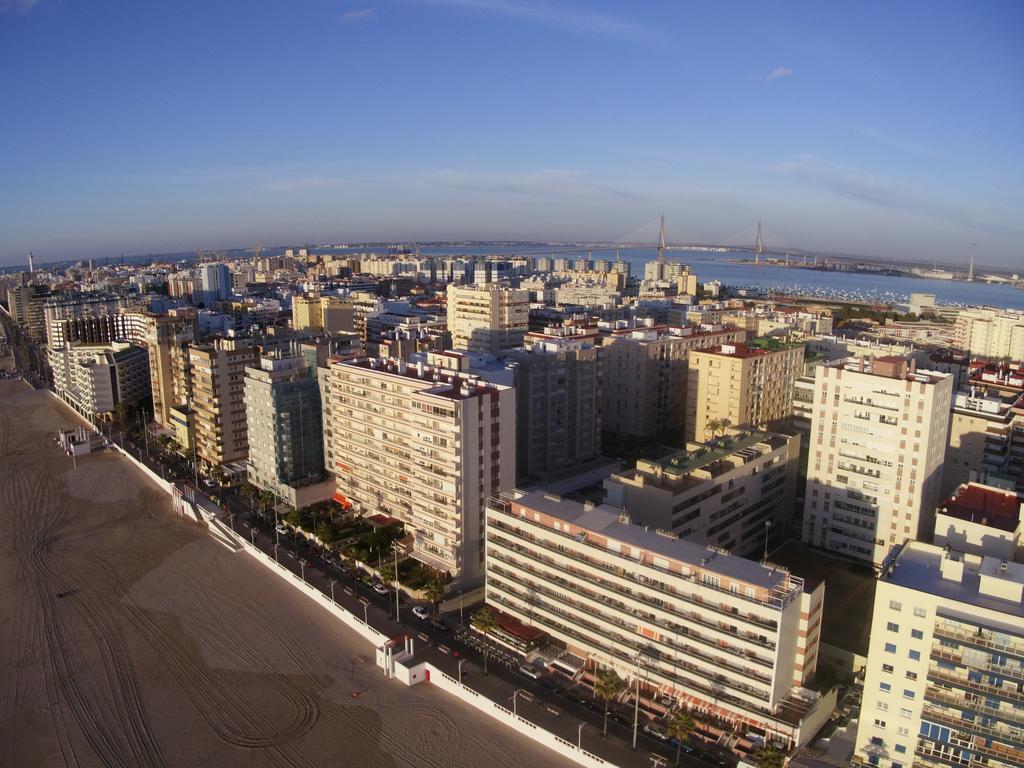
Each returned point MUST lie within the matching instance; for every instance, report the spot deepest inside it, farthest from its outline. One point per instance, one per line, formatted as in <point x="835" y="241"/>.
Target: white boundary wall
<point x="449" y="684"/>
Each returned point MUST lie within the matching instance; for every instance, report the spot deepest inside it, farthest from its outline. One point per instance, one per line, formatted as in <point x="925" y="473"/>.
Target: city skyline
<point x="881" y="131"/>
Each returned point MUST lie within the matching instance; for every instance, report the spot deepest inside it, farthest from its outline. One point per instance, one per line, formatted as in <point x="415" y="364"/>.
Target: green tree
<point x="607" y="687"/>
<point x="484" y="621"/>
<point x="769" y="756"/>
<point x="713" y="426"/>
<point x="434" y="590"/>
<point x="325" y="531"/>
<point x="679" y="727"/>
<point x="388" y="573"/>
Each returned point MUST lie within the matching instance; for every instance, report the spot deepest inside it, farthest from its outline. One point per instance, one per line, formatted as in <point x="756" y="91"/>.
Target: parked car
<point x="380" y="589"/>
<point x="281" y="529"/>
<point x="420" y="612"/>
<point x="525" y="669"/>
<point x="656" y="731"/>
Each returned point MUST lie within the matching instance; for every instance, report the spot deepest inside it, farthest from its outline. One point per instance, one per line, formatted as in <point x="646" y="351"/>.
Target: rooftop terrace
<point x="984" y="505"/>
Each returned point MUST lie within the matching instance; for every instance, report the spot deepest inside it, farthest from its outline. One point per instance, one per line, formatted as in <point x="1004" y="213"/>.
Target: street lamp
<point x="398" y="583"/>
<point x="275" y="554"/>
<point x="461" y="662"/>
<point x="332" y="589"/>
<point x="252" y="536"/>
<point x="636" y="708"/>
<point x="579" y="736"/>
<point x="302" y="566"/>
<point x="366" y="605"/>
<point x="515" y="698"/>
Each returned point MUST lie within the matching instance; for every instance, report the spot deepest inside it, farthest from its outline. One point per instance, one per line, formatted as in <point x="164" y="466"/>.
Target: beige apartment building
<point x="426" y="446"/>
<point x="877" y="444"/>
<point x="487" y="318"/>
<point x="986" y="438"/>
<point x="167" y="338"/>
<point x="944" y="680"/>
<point x="747" y="385"/>
<point x="330" y="314"/>
<point x="725" y="637"/>
<point x="643" y="394"/>
<point x="216" y="388"/>
<point x="724" y="493"/>
<point x="995" y="333"/>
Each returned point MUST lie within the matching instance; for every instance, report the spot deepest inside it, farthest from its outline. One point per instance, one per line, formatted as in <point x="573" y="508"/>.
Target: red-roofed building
<point x="982" y="520"/>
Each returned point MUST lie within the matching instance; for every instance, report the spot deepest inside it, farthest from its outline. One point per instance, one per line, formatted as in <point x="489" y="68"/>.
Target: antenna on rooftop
<point x="970" y="269"/>
<point x="758" y="245"/>
<point x="661" y="239"/>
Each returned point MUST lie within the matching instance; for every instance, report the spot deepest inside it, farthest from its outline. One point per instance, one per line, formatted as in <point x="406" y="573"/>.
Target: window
<point x="893" y="626"/>
<point x="880" y="723"/>
<point x="902" y="731"/>
<point x="907" y="693"/>
<point x="911" y="675"/>
<point x="895" y="605"/>
<point x="917" y="634"/>
<point x="877" y="741"/>
<point x="901" y="748"/>
<point x="906" y="713"/>
<point x="920" y="613"/>
<point x="885" y="687"/>
<point x="890" y="647"/>
<point x="882" y="707"/>
<point x="915" y="655"/>
<point x="887" y="667"/>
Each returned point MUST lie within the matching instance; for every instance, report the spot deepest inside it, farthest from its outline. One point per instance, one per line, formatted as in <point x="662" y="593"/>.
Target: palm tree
<point x="679" y="727"/>
<point x="769" y="756"/>
<point x="434" y="590"/>
<point x="714" y="425"/>
<point x="607" y="687"/>
<point x="388" y="573"/>
<point x="484" y="621"/>
<point x="724" y="424"/>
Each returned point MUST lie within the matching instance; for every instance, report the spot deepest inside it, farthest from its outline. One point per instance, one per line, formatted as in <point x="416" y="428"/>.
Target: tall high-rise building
<point x="26" y="304"/>
<point x="986" y="438"/>
<point x="724" y="493"/>
<point x="643" y="395"/>
<point x="487" y="318"/>
<point x="878" y="438"/>
<point x="427" y="447"/>
<point x="557" y="379"/>
<point x="217" y="398"/>
<point x="216" y="282"/>
<point x="729" y="639"/>
<point x="995" y="333"/>
<point x="284" y="422"/>
<point x="944" y="679"/>
<point x="61" y="309"/>
<point x="750" y="385"/>
<point x="167" y="338"/>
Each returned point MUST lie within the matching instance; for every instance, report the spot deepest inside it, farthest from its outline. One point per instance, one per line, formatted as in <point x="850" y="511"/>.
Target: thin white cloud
<point x="358" y="14"/>
<point x="775" y="74"/>
<point x="551" y="15"/>
<point x="302" y="183"/>
<point x="894" y="142"/>
<point x="892" y="195"/>
<point x="18" y="6"/>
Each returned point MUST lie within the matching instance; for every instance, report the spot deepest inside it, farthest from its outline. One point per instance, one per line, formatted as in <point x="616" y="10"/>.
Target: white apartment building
<point x="94" y="379"/>
<point x="722" y="493"/>
<point x="944" y="684"/>
<point x="877" y="442"/>
<point x="425" y="446"/>
<point x="487" y="318"/>
<point x="997" y="333"/>
<point x="727" y="637"/>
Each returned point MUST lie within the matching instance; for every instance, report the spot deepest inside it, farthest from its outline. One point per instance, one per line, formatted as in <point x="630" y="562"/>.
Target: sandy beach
<point x="129" y="638"/>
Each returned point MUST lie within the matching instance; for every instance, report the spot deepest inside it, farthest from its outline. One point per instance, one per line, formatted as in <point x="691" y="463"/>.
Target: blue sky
<point x="892" y="129"/>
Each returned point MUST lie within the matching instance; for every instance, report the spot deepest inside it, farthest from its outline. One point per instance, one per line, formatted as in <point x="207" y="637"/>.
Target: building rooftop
<point x="984" y="505"/>
<point x="984" y="582"/>
<point x="437" y="381"/>
<point x="610" y="522"/>
<point x="715" y="457"/>
<point x="890" y="367"/>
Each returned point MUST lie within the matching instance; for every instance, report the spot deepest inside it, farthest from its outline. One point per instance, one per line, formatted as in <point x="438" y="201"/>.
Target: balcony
<point x="980" y="639"/>
<point x="594" y="604"/>
<point x="696" y="618"/>
<point x="955" y="681"/>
